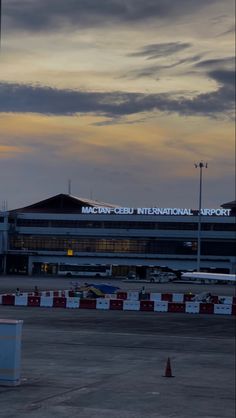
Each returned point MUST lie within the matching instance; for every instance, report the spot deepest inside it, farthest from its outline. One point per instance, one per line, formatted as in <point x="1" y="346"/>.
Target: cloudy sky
<point x="121" y="97"/>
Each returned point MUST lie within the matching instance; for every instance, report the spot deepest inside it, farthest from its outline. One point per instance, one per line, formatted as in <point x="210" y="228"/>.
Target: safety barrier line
<point x="172" y="297"/>
<point x="192" y="307"/>
<point x="138" y="296"/>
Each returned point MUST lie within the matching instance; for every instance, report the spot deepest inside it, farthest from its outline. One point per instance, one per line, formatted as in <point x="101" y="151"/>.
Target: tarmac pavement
<point x="110" y="364"/>
<point x="26" y="283"/>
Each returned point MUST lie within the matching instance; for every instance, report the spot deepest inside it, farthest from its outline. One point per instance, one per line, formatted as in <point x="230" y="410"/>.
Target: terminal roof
<point x="230" y="205"/>
<point x="61" y="203"/>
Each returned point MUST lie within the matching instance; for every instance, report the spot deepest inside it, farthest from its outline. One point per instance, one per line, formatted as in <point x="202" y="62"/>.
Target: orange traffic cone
<point x="168" y="372"/>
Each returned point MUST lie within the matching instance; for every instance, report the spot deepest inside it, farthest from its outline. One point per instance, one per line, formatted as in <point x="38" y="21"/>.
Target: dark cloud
<point x="225" y="78"/>
<point x="35" y="15"/>
<point x="221" y="102"/>
<point x="50" y="101"/>
<point x="160" y="50"/>
<point x="154" y="70"/>
<point x="226" y="63"/>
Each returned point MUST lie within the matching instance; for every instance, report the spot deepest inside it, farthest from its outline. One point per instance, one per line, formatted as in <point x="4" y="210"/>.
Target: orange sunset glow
<point x="120" y="97"/>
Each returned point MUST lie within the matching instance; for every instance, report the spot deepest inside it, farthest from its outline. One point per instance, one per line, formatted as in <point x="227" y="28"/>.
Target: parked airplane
<point x="209" y="277"/>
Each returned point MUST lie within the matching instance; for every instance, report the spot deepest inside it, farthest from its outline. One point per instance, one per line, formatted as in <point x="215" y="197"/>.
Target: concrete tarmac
<point x="110" y="364"/>
<point x="26" y="283"/>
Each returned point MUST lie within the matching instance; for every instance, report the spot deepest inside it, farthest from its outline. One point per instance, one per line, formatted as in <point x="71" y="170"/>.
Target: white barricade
<point x="132" y="295"/>
<point x="46" y="301"/>
<point x="192" y="307"/>
<point x="102" y="303"/>
<point x="161" y="306"/>
<point x="131" y="305"/>
<point x="178" y="297"/>
<point x="72" y="302"/>
<point x="21" y="300"/>
<point x="155" y="296"/>
<point x="226" y="300"/>
<point x="222" y="309"/>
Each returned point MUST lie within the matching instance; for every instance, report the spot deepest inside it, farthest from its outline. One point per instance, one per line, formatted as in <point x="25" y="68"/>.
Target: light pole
<point x="200" y="165"/>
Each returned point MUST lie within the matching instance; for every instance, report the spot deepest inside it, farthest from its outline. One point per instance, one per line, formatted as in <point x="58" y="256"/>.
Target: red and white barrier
<point x="155" y="296"/>
<point x="192" y="307"/>
<point x="131" y="305"/>
<point x="46" y="301"/>
<point x="223" y="309"/>
<point x="178" y="297"/>
<point x="49" y="293"/>
<point x="227" y="300"/>
<point x="102" y="303"/>
<point x="167" y="302"/>
<point x="161" y="306"/>
<point x="33" y="301"/>
<point x="171" y="297"/>
<point x="176" y="307"/>
<point x="72" y="302"/>
<point x="21" y="300"/>
<point x="133" y="295"/>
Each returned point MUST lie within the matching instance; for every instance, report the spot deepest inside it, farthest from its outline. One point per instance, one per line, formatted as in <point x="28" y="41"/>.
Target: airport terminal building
<point x="63" y="230"/>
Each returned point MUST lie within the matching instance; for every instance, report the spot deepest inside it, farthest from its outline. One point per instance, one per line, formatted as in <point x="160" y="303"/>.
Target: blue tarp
<point x="105" y="288"/>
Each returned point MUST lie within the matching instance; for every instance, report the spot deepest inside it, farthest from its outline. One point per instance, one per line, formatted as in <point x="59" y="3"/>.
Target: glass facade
<point x="121" y="245"/>
<point x="181" y="226"/>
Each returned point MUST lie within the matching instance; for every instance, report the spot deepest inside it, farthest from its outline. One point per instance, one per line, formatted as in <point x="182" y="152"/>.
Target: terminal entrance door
<point x="141" y="272"/>
<point x="17" y="264"/>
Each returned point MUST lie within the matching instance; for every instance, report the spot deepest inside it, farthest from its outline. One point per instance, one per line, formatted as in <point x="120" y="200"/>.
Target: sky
<point x="122" y="97"/>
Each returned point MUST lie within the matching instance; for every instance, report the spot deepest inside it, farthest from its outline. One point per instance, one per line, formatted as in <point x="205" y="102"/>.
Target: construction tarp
<point x="103" y="287"/>
<point x="97" y="292"/>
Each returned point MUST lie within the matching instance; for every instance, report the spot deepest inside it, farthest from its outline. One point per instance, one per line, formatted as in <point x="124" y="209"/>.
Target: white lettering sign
<point x="215" y="212"/>
<point x="153" y="211"/>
